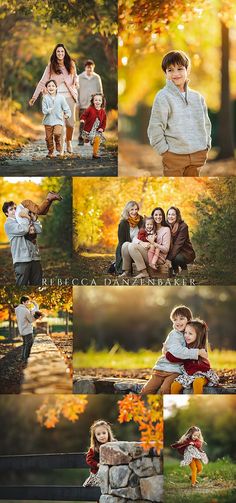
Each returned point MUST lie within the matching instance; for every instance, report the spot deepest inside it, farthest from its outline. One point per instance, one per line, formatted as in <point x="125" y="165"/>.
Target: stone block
<point x="119" y="476"/>
<point x="152" y="488"/>
<point x="119" y="453"/>
<point x="133" y="480"/>
<point x="103" y="473"/>
<point x="157" y="465"/>
<point x="143" y="467"/>
<point x="84" y="386"/>
<point x="132" y="493"/>
<point x="107" y="498"/>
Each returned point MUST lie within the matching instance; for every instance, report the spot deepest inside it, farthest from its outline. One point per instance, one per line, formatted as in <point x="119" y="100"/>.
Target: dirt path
<point x="12" y="370"/>
<point x="31" y="161"/>
<point x="141" y="160"/>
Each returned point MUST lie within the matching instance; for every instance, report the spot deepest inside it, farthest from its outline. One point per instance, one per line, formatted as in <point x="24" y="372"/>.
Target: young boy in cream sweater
<point x="179" y="127"/>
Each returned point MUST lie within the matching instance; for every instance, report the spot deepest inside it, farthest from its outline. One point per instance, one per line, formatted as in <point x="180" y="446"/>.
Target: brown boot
<point x="54" y="196"/>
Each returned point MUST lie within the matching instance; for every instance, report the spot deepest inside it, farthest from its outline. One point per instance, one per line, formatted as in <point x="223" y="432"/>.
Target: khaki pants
<point x="135" y="252"/>
<point x="183" y="164"/>
<point x="38" y="209"/>
<point x="160" y="379"/>
<point x="53" y="133"/>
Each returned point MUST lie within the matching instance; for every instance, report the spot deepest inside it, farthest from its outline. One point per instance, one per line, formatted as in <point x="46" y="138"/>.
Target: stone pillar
<point x="129" y="474"/>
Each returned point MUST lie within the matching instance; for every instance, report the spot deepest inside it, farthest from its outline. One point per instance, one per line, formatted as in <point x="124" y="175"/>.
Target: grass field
<point x="118" y="358"/>
<point x="216" y="483"/>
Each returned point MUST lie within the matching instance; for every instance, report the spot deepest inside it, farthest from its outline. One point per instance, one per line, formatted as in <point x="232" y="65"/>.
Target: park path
<point x="141" y="160"/>
<point x="31" y="161"/>
<point x="46" y="370"/>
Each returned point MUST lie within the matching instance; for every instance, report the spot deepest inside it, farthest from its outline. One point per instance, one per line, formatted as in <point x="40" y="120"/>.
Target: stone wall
<point x="129" y="474"/>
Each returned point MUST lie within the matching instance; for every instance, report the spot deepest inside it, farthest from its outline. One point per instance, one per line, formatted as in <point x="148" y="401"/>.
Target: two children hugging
<point x="190" y="447"/>
<point x="56" y="109"/>
<point x="100" y="434"/>
<point x="179" y="128"/>
<point x="185" y="359"/>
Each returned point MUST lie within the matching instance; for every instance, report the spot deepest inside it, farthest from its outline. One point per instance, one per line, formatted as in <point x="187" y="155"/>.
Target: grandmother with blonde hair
<point x="128" y="229"/>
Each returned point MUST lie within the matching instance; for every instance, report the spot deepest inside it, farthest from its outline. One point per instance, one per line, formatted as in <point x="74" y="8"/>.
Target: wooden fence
<point x="46" y="492"/>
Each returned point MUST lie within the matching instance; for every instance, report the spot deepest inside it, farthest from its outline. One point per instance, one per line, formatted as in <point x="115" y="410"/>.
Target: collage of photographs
<point x="118" y="251"/>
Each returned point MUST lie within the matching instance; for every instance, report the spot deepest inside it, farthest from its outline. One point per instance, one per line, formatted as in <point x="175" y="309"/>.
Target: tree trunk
<point x="226" y="142"/>
<point x="67" y="322"/>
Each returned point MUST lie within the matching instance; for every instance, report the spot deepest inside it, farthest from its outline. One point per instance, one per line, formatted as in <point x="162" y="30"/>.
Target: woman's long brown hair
<point x="68" y="62"/>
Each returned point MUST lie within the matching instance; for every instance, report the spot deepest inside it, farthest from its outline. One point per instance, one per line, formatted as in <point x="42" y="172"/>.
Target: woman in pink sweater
<point x="61" y="69"/>
<point x="137" y="251"/>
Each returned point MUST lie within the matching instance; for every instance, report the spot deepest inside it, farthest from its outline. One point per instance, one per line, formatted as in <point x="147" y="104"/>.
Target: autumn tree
<point x="49" y="298"/>
<point x="149" y="29"/>
<point x="146" y="414"/>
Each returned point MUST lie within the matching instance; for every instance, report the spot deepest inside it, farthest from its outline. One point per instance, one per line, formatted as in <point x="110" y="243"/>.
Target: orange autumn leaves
<point x="99" y="203"/>
<point x="147" y="414"/>
<point x="53" y="409"/>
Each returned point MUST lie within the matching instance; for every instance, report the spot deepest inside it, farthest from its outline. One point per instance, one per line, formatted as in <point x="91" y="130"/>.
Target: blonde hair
<point x="94" y="444"/>
<point x="188" y="434"/>
<point x="127" y="208"/>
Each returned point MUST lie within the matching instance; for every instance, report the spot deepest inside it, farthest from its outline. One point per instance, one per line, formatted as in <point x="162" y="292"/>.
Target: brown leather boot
<point x="54" y="196"/>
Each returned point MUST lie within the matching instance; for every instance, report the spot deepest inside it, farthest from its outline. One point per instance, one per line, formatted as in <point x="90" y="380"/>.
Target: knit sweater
<point x="176" y="345"/>
<point x="90" y="115"/>
<point x="179" y="123"/>
<point x="87" y="87"/>
<point x="70" y="80"/>
<point x="191" y="366"/>
<point x="22" y="250"/>
<point x="181" y="244"/>
<point x="92" y="459"/>
<point x="54" y="109"/>
<point x="182" y="446"/>
<point x="25" y="318"/>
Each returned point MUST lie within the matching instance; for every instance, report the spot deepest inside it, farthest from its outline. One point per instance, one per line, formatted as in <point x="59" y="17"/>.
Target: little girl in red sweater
<point x="196" y="373"/>
<point x="93" y="123"/>
<point x="190" y="446"/>
<point x="100" y="434"/>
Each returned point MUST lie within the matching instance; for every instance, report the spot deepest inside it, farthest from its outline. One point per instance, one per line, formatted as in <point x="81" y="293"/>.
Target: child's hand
<point x="31" y="102"/>
<point x="100" y="130"/>
<point x="203" y="353"/>
<point x="98" y="465"/>
<point x="144" y="244"/>
<point x="34" y="217"/>
<point x="24" y="214"/>
<point x="66" y="116"/>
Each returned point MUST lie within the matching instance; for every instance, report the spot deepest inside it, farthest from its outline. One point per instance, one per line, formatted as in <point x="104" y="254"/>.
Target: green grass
<point x="216" y="483"/>
<point x="142" y="359"/>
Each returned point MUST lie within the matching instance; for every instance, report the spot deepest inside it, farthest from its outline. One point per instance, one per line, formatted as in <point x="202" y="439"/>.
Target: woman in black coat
<point x="129" y="226"/>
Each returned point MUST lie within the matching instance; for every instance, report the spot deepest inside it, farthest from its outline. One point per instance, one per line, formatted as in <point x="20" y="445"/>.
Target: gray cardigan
<point x="25" y="318"/>
<point x="87" y="87"/>
<point x="176" y="345"/>
<point x="22" y="250"/>
<point x="179" y="123"/>
<point x="54" y="110"/>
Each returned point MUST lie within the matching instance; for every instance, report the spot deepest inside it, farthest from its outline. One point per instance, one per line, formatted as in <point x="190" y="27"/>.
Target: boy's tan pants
<point x="160" y="379"/>
<point x="38" y="209"/>
<point x="53" y="133"/>
<point x="183" y="164"/>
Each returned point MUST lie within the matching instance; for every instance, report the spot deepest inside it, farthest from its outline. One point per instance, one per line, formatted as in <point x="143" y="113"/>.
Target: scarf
<point x="174" y="229"/>
<point x="134" y="221"/>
